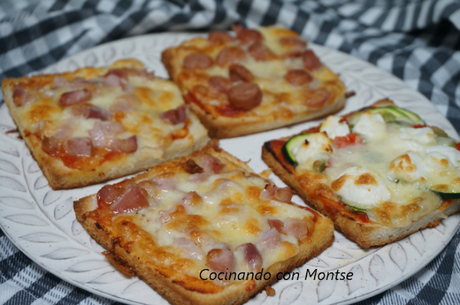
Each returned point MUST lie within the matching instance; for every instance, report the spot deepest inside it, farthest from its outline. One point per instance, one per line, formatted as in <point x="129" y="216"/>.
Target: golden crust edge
<point x="322" y="238"/>
<point x="365" y="234"/>
<point x="58" y="175"/>
<point x="225" y="127"/>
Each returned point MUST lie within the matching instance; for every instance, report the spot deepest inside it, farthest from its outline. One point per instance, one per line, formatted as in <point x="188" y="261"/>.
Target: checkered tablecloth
<point x="416" y="40"/>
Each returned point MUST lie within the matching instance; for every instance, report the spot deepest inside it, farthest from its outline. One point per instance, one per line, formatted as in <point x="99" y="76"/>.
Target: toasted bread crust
<point x="365" y="234"/>
<point x="175" y="293"/>
<point x="61" y="177"/>
<point x="223" y="127"/>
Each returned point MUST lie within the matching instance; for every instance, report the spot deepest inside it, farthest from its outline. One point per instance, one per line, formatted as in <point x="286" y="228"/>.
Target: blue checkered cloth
<point x="416" y="40"/>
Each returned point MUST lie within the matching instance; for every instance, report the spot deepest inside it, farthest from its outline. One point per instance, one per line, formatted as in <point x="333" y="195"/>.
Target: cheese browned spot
<point x="366" y="179"/>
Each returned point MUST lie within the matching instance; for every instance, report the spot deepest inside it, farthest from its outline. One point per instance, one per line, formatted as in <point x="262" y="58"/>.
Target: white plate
<point x="42" y="224"/>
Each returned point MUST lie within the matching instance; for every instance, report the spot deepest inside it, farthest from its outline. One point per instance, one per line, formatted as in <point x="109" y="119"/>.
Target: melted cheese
<point x="154" y="96"/>
<point x="402" y="164"/>
<point x="319" y="147"/>
<point x="280" y="99"/>
<point x="334" y="127"/>
<point x="227" y="215"/>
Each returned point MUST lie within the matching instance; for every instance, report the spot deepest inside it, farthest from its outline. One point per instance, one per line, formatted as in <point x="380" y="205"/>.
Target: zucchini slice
<point x="447" y="195"/>
<point x="291" y="146"/>
<point x="392" y="114"/>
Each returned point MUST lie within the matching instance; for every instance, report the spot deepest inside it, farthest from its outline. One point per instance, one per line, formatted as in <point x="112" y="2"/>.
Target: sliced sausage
<point x="219" y="83"/>
<point x="239" y="73"/>
<point x="260" y="52"/>
<point x="230" y="55"/>
<point x="310" y="60"/>
<point x="293" y="41"/>
<point x="317" y="98"/>
<point x="199" y="61"/>
<point x="246" y="36"/>
<point x="298" y="77"/>
<point x="220" y="37"/>
<point x="245" y="96"/>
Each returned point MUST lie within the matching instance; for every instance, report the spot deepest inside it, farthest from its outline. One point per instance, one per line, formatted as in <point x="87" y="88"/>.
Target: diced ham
<point x="124" y="103"/>
<point x="21" y="97"/>
<point x="59" y="82"/>
<point x="80" y="147"/>
<point x="124" y="73"/>
<point x="272" y="192"/>
<point x="175" y="116"/>
<point x="283" y="194"/>
<point x="128" y="145"/>
<point x="191" y="199"/>
<point x="211" y="164"/>
<point x="112" y="80"/>
<point x="90" y="112"/>
<point x="270" y="239"/>
<point x="164" y="183"/>
<point x="252" y="256"/>
<point x="190" y="249"/>
<point x="132" y="200"/>
<point x="80" y="83"/>
<point x="102" y="132"/>
<point x="165" y="215"/>
<point x="221" y="260"/>
<point x="110" y="193"/>
<point x="191" y="167"/>
<point x="277" y="224"/>
<point x="75" y="97"/>
<point x="197" y="178"/>
<point x="269" y="192"/>
<point x="296" y="227"/>
<point x="51" y="145"/>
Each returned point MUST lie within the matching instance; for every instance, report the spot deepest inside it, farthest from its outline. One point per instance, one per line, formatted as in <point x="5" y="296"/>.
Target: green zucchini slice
<point x="292" y="145"/>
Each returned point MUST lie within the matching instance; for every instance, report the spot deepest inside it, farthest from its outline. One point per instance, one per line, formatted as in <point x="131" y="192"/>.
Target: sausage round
<point x="219" y="83"/>
<point x="245" y="96"/>
<point x="310" y="60"/>
<point x="230" y="55"/>
<point x="260" y="52"/>
<point x="199" y="61"/>
<point x="298" y="77"/>
<point x="239" y="73"/>
<point x="220" y="37"/>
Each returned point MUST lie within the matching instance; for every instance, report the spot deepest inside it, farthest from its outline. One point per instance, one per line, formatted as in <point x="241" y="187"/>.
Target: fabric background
<point x="416" y="40"/>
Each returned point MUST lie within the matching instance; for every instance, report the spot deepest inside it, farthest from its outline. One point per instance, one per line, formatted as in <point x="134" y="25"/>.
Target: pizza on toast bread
<point x="253" y="80"/>
<point x="379" y="173"/>
<point x="198" y="228"/>
<point x="96" y="124"/>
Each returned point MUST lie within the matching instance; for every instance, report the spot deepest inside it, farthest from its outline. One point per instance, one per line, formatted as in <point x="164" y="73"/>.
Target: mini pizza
<point x="379" y="173"/>
<point x="95" y="124"/>
<point x="198" y="229"/>
<point x="254" y="81"/>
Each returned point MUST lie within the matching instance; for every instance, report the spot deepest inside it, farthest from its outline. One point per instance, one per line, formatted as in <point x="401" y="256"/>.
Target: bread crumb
<point x="270" y="291"/>
<point x="266" y="173"/>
